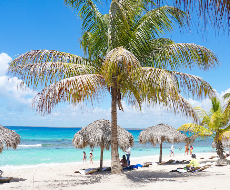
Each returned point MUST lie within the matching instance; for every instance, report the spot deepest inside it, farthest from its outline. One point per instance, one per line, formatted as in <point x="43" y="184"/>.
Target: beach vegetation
<point x="125" y="56"/>
<point x="214" y="124"/>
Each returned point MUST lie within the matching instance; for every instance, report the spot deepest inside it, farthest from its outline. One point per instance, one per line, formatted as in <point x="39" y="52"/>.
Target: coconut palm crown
<point x="214" y="124"/>
<point x="125" y="57"/>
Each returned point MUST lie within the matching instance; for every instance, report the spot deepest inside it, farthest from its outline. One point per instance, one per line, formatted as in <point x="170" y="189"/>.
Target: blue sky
<point x="41" y="24"/>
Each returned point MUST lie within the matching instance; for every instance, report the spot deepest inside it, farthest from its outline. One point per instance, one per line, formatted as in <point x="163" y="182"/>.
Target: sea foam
<point x="30" y="145"/>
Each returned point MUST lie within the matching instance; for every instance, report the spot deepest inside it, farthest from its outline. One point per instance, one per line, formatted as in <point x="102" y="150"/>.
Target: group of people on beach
<point x="90" y="156"/>
<point x="194" y="162"/>
<point x="125" y="162"/>
<point x="187" y="149"/>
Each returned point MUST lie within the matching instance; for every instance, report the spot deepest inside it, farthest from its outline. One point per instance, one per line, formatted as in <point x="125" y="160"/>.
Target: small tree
<point x="214" y="124"/>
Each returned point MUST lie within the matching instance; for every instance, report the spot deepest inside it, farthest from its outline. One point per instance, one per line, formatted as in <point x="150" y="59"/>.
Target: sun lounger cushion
<point x="91" y="171"/>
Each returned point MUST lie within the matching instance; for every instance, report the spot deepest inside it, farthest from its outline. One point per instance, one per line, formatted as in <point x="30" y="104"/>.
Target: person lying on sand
<point x="194" y="163"/>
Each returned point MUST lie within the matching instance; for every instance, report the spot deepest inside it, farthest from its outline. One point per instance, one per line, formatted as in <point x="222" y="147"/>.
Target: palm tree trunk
<point x="115" y="162"/>
<point x="160" y="158"/>
<point x="219" y="147"/>
<point x="220" y="150"/>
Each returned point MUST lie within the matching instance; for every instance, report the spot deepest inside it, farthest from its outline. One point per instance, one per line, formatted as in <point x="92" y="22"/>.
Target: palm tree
<point x="126" y="58"/>
<point x="214" y="124"/>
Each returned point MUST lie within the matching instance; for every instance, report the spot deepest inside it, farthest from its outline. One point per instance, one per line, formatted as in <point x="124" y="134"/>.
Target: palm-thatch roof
<point x="160" y="133"/>
<point x="9" y="138"/>
<point x="98" y="134"/>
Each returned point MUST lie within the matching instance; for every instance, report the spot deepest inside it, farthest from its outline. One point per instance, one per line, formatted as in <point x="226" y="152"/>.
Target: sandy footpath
<point x="152" y="177"/>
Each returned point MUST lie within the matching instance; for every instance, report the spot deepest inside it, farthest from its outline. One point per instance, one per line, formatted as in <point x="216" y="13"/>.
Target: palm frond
<point x="95" y="30"/>
<point x="227" y="111"/>
<point x="184" y="55"/>
<point x="47" y="66"/>
<point x="191" y="85"/>
<point x="119" y="28"/>
<point x="168" y="96"/>
<point x="216" y="121"/>
<point x="76" y="89"/>
<point x="158" y="21"/>
<point x="196" y="129"/>
<point x="216" y="105"/>
<point x="201" y="112"/>
<point x="225" y="134"/>
<point x="160" y="86"/>
<point x="179" y="104"/>
<point x="226" y="96"/>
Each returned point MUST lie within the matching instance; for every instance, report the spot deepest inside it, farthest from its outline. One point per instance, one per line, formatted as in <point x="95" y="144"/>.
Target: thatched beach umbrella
<point x="9" y="138"/>
<point x="160" y="133"/>
<point x="98" y="134"/>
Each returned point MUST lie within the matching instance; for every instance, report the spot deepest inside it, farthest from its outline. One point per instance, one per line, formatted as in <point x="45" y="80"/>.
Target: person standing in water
<point x="171" y="150"/>
<point x="186" y="149"/>
<point x="84" y="157"/>
<point x="91" y="158"/>
<point x="191" y="148"/>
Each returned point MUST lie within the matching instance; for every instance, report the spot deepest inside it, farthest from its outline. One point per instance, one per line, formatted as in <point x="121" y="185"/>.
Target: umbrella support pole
<point x="101" y="158"/>
<point x="160" y="158"/>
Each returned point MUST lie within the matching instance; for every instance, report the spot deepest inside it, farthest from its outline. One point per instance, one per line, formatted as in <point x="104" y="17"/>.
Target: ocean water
<point x="46" y="145"/>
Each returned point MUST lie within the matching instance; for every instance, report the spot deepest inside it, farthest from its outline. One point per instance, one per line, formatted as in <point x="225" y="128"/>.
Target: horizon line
<point x="63" y="127"/>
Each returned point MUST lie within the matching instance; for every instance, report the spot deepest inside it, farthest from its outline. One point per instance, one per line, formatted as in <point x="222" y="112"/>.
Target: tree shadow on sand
<point x="143" y="177"/>
<point x="17" y="180"/>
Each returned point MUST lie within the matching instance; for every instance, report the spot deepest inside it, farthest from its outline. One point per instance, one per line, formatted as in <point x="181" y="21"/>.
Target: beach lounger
<point x="87" y="171"/>
<point x="150" y="163"/>
<point x="5" y="179"/>
<point x="171" y="162"/>
<point x="161" y="163"/>
<point x="146" y="165"/>
<point x="222" y="164"/>
<point x="194" y="169"/>
<point x="199" y="169"/>
<point x="91" y="171"/>
<point x="106" y="169"/>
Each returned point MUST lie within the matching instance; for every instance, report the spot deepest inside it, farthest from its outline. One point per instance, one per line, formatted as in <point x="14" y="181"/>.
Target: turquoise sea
<point x="46" y="145"/>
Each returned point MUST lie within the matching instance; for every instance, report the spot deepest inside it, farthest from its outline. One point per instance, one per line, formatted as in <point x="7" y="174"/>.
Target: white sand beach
<point x="152" y="177"/>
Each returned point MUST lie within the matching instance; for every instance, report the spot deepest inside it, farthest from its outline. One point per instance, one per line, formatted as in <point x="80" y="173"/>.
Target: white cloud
<point x="4" y="60"/>
<point x="204" y="104"/>
<point x="12" y="96"/>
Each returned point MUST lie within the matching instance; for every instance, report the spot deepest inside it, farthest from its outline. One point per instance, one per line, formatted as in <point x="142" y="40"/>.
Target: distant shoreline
<point x="138" y="129"/>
